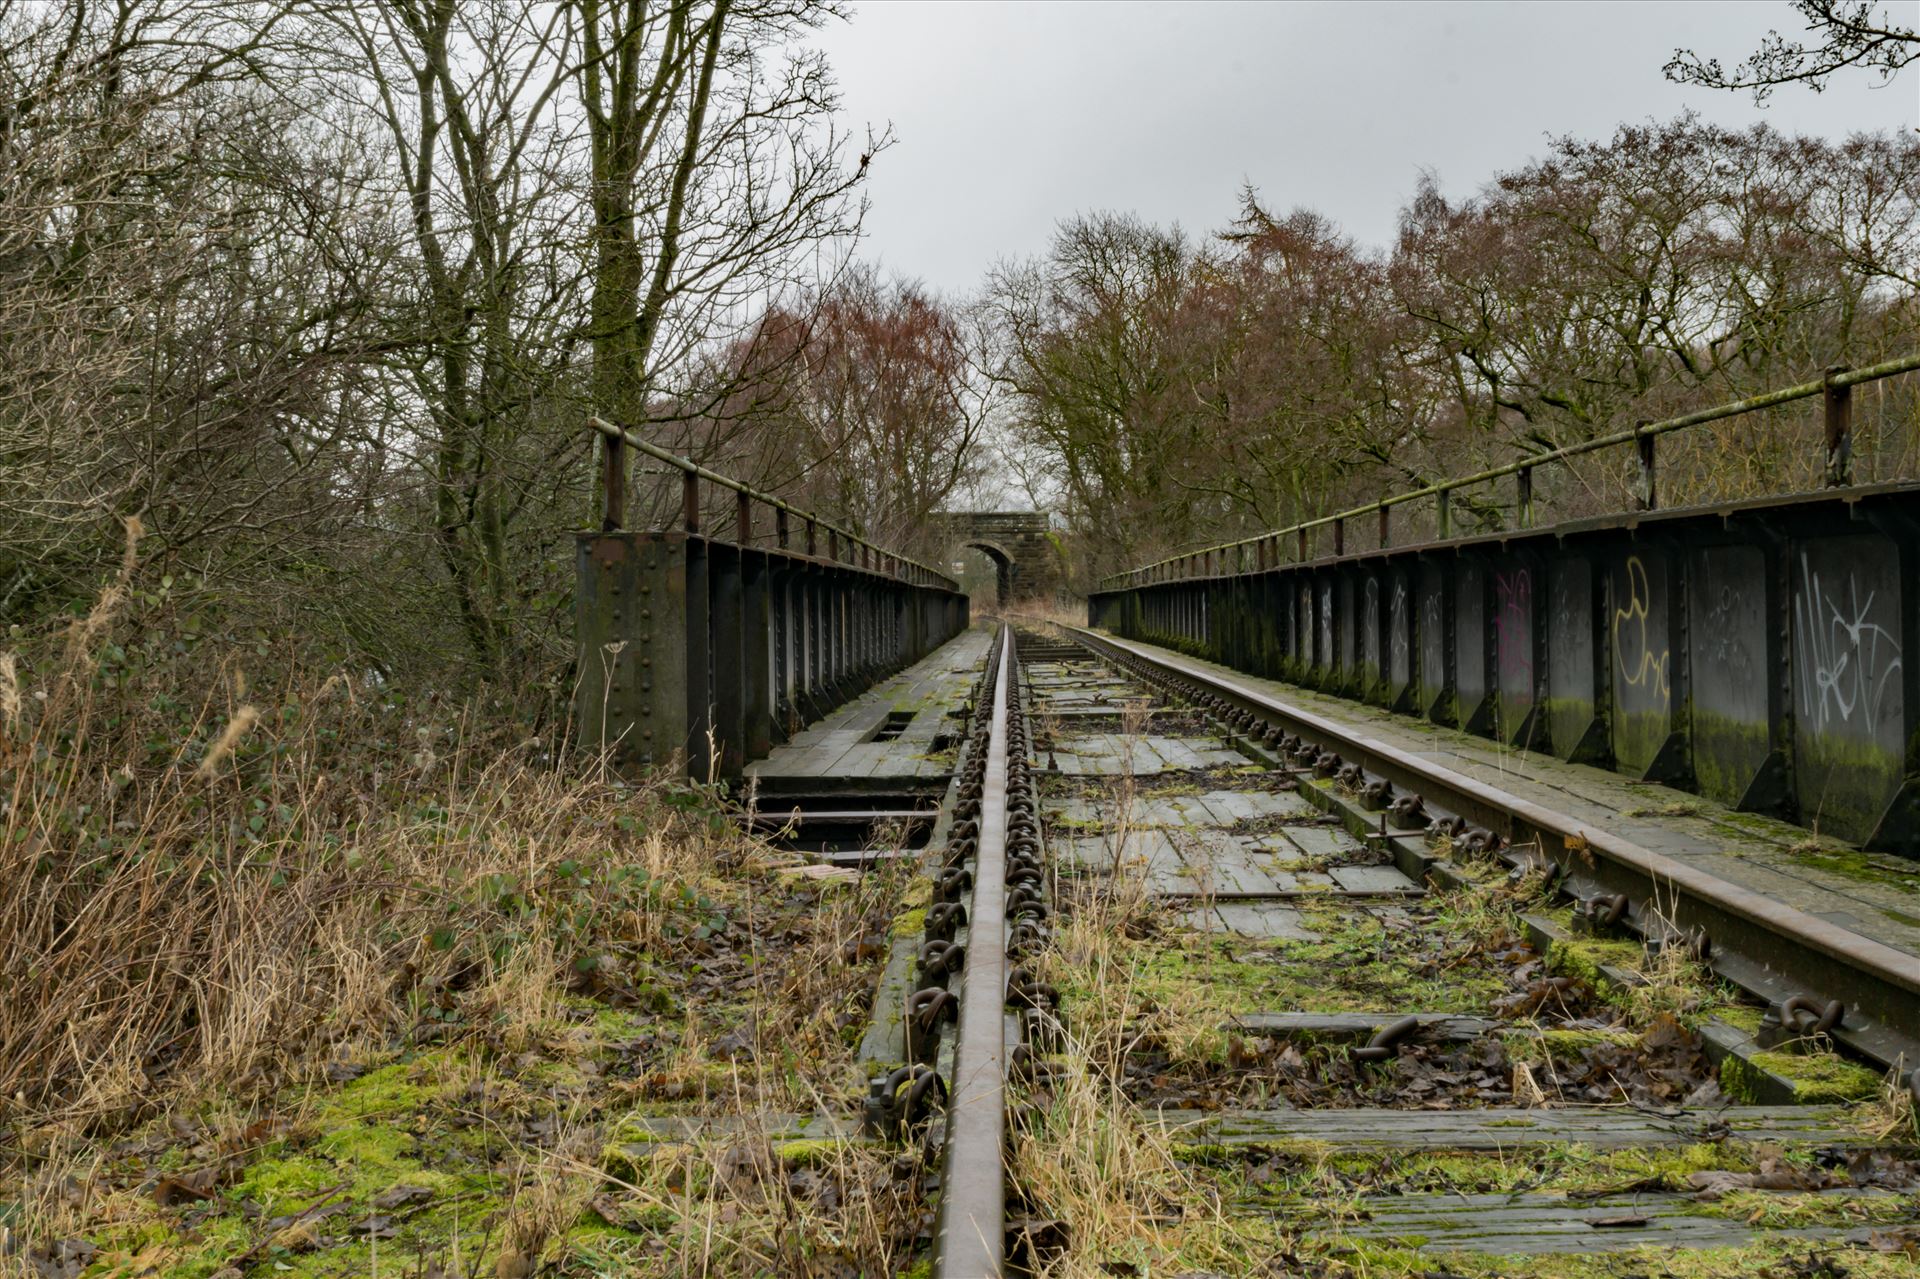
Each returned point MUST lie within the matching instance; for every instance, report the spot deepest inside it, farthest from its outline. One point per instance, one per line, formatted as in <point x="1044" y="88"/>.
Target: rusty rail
<point x="971" y="1243"/>
<point x="843" y="546"/>
<point x="1835" y="387"/>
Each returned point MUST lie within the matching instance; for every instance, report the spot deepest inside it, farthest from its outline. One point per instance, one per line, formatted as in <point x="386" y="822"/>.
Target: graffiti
<point x="1722" y="641"/>
<point x="1326" y="627"/>
<point x="1848" y="662"/>
<point x="1513" y="628"/>
<point x="1370" y="652"/>
<point x="1397" y="640"/>
<point x="1643" y="661"/>
<point x="1433" y="658"/>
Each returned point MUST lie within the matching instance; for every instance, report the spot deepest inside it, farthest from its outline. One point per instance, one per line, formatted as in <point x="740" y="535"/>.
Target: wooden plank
<point x="1373" y="879"/>
<point x="663" y="1129"/>
<point x="1263" y="920"/>
<point x="1360" y="1027"/>
<point x="1507" y="1128"/>
<point x="1324" y="841"/>
<point x="1531" y="1224"/>
<point x="884" y="1042"/>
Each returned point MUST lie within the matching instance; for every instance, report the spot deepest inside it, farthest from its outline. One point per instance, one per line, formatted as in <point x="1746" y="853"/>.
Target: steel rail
<point x="694" y="471"/>
<point x="1836" y="380"/>
<point x="971" y="1240"/>
<point x="1758" y="943"/>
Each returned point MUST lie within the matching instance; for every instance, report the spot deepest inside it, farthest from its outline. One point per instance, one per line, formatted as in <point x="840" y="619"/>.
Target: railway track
<point x="1223" y="988"/>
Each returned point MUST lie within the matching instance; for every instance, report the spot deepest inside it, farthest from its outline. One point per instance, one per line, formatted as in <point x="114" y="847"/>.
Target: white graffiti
<point x="1370" y="651"/>
<point x="1848" y="664"/>
<point x="1397" y="619"/>
<point x="1432" y="642"/>
<point x="1326" y="627"/>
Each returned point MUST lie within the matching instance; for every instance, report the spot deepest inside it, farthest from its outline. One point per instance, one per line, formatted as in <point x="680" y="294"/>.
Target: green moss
<point x="1849" y="782"/>
<point x="908" y="923"/>
<point x="1567" y="720"/>
<point x="808" y="1153"/>
<point x="1851" y="863"/>
<point x="1563" y="1046"/>
<point x="284" y="1184"/>
<point x="1771" y="1209"/>
<point x="402" y="1086"/>
<point x="1582" y="957"/>
<point x="1817" y="1078"/>
<point x="1727" y="752"/>
<point x="1354" y="964"/>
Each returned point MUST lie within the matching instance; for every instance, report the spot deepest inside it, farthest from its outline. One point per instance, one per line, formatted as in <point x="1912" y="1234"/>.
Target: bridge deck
<point x="1874" y="896"/>
<point x="843" y="750"/>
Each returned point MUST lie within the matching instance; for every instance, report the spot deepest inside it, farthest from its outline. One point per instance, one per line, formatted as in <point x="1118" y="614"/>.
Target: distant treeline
<point x="1174" y="391"/>
<point x="323" y="294"/>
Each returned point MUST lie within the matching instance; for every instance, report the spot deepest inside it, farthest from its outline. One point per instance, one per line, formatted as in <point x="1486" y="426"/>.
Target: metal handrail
<point x="1835" y="385"/>
<point x="869" y="557"/>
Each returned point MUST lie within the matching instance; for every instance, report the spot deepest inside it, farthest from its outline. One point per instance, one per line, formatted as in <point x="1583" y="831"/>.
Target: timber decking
<point x="1187" y="845"/>
<point x="839" y="751"/>
<point x="1496" y="1128"/>
<point x="1522" y="1225"/>
<point x="1877" y="898"/>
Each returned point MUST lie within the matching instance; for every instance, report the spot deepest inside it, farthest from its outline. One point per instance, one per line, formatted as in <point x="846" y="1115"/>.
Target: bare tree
<point x="1846" y="34"/>
<point x="716" y="174"/>
<point x="869" y="405"/>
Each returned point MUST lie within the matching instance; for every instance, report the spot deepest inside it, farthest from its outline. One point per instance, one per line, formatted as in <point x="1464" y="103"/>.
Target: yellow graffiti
<point x="1640" y="666"/>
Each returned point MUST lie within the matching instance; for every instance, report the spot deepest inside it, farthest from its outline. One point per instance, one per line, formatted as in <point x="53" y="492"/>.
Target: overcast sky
<point x="1013" y="116"/>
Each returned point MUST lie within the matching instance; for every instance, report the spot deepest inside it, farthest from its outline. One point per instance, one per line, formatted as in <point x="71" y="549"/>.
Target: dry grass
<point x="1088" y="1156"/>
<point x="212" y="884"/>
<point x="1045" y="611"/>
<point x="408" y="904"/>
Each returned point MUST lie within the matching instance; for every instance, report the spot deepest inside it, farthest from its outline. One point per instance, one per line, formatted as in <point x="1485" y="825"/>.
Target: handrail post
<point x="690" y="501"/>
<point x="1303" y="543"/>
<point x="1445" y="512"/>
<point x="1384" y="535"/>
<point x="743" y="520"/>
<point x="1523" y="496"/>
<point x="812" y="537"/>
<point x="614" y="458"/>
<point x="1339" y="535"/>
<point x="780" y="531"/>
<point x="1839" y="422"/>
<point x="1645" y="496"/>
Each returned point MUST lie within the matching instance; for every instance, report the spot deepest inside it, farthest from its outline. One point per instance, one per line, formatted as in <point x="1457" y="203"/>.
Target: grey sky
<point x="1012" y="116"/>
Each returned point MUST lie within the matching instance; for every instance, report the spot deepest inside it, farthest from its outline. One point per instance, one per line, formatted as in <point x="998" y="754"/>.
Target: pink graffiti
<point x="1512" y="624"/>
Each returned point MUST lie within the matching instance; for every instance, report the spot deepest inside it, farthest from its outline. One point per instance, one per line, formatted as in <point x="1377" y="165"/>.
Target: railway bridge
<point x="1436" y="843"/>
<point x="1027" y="559"/>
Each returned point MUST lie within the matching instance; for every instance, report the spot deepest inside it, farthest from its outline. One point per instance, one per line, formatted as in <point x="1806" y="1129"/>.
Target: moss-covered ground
<point x="476" y="1142"/>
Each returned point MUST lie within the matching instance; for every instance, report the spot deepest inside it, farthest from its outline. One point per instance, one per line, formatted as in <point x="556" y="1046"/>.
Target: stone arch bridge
<point x="1026" y="555"/>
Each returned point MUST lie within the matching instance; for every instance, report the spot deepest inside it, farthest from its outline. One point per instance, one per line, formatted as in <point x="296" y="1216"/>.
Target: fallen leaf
<point x="191" y="1188"/>
<point x="400" y="1196"/>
